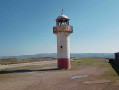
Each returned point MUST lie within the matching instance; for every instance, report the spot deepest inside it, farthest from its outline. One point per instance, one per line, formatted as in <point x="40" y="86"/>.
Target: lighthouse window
<point x="61" y="46"/>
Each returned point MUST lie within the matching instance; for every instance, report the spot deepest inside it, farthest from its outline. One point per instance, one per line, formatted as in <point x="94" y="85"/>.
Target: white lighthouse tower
<point x="63" y="30"/>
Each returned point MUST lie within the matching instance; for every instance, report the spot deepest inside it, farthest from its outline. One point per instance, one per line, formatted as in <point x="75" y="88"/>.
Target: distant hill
<point x="98" y="55"/>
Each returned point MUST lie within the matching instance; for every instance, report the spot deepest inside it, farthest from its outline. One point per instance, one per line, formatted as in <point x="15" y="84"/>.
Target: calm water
<point x="80" y="55"/>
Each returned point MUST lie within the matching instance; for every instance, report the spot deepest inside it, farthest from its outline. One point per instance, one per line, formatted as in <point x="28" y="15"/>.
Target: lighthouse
<point x="63" y="30"/>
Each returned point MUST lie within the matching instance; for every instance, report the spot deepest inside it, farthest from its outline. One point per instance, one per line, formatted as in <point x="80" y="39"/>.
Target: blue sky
<point x="26" y="26"/>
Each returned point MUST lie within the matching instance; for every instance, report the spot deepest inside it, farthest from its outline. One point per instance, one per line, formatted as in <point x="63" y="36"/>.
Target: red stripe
<point x="64" y="63"/>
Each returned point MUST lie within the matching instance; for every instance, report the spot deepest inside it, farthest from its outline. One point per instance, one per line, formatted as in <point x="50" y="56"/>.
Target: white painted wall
<point x="63" y="40"/>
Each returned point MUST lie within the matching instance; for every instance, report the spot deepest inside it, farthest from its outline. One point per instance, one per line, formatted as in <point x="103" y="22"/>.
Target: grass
<point x="74" y="62"/>
<point x="111" y="74"/>
<point x="17" y="61"/>
<point x="90" y="61"/>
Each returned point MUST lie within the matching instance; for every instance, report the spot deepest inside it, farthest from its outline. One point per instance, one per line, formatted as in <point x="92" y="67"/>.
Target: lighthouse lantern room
<point x="63" y="30"/>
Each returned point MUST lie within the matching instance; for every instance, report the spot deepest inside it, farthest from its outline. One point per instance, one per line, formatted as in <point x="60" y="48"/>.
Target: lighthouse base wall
<point x="64" y="63"/>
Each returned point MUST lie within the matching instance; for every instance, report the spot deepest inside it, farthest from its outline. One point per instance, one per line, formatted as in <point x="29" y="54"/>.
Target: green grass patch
<point x="113" y="73"/>
<point x="110" y="75"/>
<point x="90" y="61"/>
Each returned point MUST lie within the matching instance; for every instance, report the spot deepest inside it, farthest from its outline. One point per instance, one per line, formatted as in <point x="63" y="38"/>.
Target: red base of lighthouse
<point x="63" y="63"/>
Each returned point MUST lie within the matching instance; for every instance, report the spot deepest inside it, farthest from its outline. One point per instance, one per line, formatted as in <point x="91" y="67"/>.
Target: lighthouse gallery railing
<point x="63" y="28"/>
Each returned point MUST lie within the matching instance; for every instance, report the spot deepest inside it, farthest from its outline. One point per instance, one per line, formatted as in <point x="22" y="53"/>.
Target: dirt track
<point x="47" y="78"/>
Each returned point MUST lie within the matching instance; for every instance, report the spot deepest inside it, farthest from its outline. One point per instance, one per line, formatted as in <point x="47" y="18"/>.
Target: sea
<point x="54" y="55"/>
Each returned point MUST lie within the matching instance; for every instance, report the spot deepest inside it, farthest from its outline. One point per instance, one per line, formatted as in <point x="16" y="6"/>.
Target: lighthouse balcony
<point x="63" y="28"/>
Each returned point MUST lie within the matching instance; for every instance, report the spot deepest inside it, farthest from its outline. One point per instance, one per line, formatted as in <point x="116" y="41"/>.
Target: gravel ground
<point x="46" y="78"/>
<point x="26" y="64"/>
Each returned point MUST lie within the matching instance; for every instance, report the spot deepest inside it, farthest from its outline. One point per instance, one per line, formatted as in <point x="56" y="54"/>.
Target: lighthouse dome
<point x="62" y="17"/>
